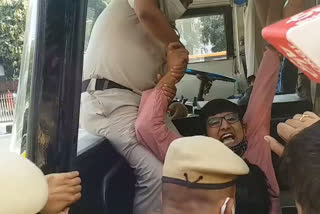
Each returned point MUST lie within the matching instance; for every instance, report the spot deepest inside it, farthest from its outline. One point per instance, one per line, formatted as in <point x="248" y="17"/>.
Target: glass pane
<point x="204" y="37"/>
<point x="12" y="27"/>
<point x="19" y="131"/>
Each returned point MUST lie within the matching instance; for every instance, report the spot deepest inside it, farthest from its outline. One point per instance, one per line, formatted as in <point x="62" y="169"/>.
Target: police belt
<point x="102" y="84"/>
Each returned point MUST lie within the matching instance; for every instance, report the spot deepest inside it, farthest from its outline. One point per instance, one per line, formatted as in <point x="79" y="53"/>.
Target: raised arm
<point x="151" y="129"/>
<point x="258" y="114"/>
<point x="154" y="21"/>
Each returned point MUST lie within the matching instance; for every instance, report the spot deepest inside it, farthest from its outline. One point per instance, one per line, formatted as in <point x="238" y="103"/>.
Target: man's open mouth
<point x="227" y="139"/>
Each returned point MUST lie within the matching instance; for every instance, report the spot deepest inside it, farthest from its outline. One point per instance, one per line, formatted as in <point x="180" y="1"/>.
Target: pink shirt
<point x="154" y="134"/>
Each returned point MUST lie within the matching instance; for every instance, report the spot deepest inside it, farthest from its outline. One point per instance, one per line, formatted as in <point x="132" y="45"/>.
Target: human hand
<point x="291" y="128"/>
<point x="64" y="190"/>
<point x="177" y="110"/>
<point x="177" y="60"/>
<point x="275" y="146"/>
<point x="294" y="126"/>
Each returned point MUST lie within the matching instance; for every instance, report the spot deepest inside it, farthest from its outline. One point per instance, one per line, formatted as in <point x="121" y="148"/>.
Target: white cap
<point x="202" y="162"/>
<point x="23" y="186"/>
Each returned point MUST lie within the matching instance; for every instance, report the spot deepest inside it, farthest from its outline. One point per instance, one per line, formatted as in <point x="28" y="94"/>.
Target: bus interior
<point x="47" y="120"/>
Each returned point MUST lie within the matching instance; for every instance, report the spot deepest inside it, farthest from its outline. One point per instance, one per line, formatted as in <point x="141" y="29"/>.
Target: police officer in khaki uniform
<point x="199" y="176"/>
<point x="126" y="52"/>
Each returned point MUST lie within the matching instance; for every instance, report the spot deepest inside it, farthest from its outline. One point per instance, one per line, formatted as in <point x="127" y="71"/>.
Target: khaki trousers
<point x="112" y="114"/>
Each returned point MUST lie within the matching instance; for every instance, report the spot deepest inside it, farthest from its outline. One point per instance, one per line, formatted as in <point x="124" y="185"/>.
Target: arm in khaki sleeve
<point x="154" y="22"/>
<point x="258" y="114"/>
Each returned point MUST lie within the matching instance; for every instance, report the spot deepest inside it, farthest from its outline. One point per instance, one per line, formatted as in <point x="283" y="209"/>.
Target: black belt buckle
<point x="101" y="84"/>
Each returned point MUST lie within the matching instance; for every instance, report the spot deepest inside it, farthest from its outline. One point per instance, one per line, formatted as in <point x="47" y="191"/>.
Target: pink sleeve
<point x="151" y="130"/>
<point x="258" y="114"/>
<point x="257" y="119"/>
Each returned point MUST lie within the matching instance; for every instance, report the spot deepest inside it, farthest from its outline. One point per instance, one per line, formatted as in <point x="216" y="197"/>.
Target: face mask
<point x="224" y="206"/>
<point x="240" y="148"/>
<point x="173" y="9"/>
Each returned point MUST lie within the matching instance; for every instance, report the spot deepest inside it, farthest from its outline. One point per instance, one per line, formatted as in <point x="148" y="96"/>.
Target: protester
<point x="25" y="190"/>
<point x="126" y="51"/>
<point x="199" y="176"/>
<point x="221" y="120"/>
<point x="300" y="159"/>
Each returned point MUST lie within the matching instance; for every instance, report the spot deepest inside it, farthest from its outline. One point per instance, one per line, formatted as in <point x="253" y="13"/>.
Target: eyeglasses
<point x="215" y="122"/>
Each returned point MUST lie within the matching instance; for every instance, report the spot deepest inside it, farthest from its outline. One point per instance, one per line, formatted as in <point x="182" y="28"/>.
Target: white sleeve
<point x="131" y="3"/>
<point x="160" y="3"/>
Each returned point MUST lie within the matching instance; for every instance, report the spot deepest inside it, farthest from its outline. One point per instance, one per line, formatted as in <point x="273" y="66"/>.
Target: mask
<point x="241" y="148"/>
<point x="224" y="206"/>
<point x="173" y="9"/>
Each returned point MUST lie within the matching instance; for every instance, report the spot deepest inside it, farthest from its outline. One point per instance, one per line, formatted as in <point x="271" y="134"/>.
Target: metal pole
<point x="236" y="36"/>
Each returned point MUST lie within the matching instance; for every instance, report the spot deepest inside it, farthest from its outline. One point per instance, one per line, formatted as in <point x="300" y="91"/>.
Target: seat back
<point x="107" y="180"/>
<point x="118" y="189"/>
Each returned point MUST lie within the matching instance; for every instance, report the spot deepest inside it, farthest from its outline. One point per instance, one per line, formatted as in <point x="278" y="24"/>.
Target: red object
<point x="10" y="100"/>
<point x="298" y="39"/>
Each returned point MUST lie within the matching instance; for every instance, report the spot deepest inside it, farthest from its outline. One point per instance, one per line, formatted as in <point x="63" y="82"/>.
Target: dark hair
<point x="252" y="194"/>
<point x="217" y="106"/>
<point x="301" y="166"/>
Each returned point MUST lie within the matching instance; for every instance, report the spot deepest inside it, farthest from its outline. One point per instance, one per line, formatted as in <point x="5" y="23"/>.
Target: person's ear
<point x="230" y="208"/>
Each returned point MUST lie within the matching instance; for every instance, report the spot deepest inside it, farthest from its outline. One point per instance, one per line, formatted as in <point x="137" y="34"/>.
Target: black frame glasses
<point x="215" y="122"/>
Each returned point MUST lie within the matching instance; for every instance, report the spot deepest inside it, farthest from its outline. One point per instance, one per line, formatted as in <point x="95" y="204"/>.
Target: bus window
<point x="208" y="36"/>
<point x="204" y="37"/>
<point x="19" y="131"/>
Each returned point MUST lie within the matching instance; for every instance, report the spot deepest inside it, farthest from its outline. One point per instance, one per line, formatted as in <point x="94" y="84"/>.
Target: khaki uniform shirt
<point x="122" y="51"/>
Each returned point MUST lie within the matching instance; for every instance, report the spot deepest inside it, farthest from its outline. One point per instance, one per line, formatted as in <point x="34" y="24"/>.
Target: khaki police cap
<point x="202" y="162"/>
